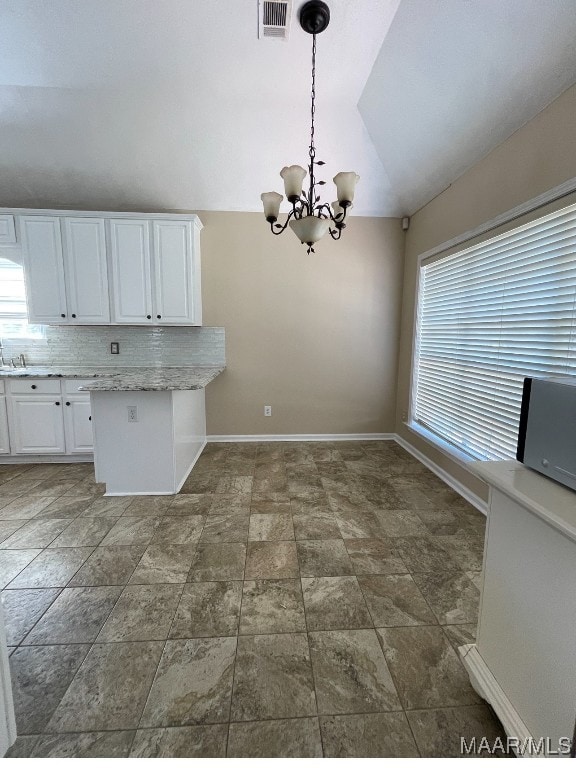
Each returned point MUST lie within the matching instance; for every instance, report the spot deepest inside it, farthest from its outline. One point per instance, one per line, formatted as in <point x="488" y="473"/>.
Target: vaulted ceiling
<point x="176" y="104"/>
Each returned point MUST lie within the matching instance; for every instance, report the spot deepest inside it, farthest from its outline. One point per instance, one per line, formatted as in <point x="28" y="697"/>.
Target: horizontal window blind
<point x="13" y="310"/>
<point x="487" y="317"/>
<point x="12" y="294"/>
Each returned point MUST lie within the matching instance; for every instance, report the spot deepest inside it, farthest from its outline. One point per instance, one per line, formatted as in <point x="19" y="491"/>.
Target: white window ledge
<point x="460" y="457"/>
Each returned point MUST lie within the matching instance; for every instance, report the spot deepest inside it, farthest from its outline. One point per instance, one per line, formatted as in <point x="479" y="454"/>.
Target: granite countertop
<point x="122" y="379"/>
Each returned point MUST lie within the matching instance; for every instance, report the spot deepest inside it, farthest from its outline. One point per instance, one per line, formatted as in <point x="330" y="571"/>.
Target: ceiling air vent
<point x="274" y="18"/>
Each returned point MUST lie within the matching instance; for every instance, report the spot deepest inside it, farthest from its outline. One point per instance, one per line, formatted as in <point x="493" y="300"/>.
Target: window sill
<point x="461" y="458"/>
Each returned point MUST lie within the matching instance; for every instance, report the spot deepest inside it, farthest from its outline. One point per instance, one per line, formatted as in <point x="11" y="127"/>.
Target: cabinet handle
<point x="62" y="315"/>
<point x="32" y="386"/>
<point x="57" y="402"/>
<point x="67" y="403"/>
<point x="73" y="315"/>
<point x="148" y="317"/>
<point x="159" y="316"/>
<point x="89" y="418"/>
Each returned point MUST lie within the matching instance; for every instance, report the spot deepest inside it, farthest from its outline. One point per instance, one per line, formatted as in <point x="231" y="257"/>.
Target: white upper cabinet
<point x="158" y="285"/>
<point x="130" y="258"/>
<point x="176" y="274"/>
<point x="66" y="278"/>
<point x="44" y="269"/>
<point x="7" y="229"/>
<point x="85" y="270"/>
<point x="107" y="269"/>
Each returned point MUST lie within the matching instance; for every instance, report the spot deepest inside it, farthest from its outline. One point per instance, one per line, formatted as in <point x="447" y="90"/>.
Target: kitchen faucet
<point x="19" y="362"/>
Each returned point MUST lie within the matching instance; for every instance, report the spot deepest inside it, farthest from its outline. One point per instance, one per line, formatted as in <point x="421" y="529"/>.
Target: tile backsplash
<point x="156" y="346"/>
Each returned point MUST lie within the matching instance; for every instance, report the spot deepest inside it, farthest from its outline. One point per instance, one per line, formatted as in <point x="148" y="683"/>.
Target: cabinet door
<point x="78" y="424"/>
<point x="85" y="269"/>
<point x="36" y="424"/>
<point x="130" y="260"/>
<point x="43" y="269"/>
<point x="4" y="439"/>
<point x="174" y="273"/>
<point x="7" y="229"/>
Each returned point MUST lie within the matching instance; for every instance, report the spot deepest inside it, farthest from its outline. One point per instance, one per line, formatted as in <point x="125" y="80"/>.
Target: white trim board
<point x="103" y="214"/>
<point x="7" y="717"/>
<point x="556" y="193"/>
<point x="296" y="438"/>
<point x="476" y="501"/>
<point x="165" y="493"/>
<point x="46" y="458"/>
<point x="487" y="687"/>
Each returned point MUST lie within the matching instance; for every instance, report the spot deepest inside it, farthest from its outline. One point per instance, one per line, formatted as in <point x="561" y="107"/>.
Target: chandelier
<point x="310" y="219"/>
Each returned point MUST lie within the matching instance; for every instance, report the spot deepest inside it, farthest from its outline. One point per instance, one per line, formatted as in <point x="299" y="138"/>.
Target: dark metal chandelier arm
<point x="318" y="212"/>
<point x="338" y="219"/>
<point x="305" y="201"/>
<point x="277" y="229"/>
<point x="335" y="234"/>
<point x="299" y="209"/>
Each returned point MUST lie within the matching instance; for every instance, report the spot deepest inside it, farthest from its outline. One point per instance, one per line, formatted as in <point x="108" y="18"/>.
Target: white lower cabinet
<point x="78" y="424"/>
<point x="45" y="419"/>
<point x="524" y="659"/>
<point x="4" y="436"/>
<point x="36" y="424"/>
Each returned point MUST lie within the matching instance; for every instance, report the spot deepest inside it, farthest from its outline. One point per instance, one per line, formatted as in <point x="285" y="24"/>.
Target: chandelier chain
<point x="313" y="98"/>
<point x="310" y="218"/>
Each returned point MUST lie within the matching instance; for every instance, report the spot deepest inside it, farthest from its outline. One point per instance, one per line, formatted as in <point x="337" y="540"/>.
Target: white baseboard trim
<point x="486" y="686"/>
<point x="139" y="493"/>
<point x="301" y="438"/>
<point x="164" y="493"/>
<point x="191" y="467"/>
<point x="476" y="501"/>
<point x="59" y="458"/>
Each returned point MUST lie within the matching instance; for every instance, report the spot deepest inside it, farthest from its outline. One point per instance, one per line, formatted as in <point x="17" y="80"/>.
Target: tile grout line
<point x="232" y="686"/>
<point x="266" y="720"/>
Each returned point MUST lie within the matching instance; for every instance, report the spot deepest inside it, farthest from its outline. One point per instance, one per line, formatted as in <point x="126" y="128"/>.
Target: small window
<point x="13" y="317"/>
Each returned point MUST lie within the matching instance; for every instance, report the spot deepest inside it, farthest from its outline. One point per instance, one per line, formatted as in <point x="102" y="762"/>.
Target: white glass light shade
<point x="337" y="208"/>
<point x="293" y="176"/>
<point x="271" y="202"/>
<point x="310" y="229"/>
<point x="345" y="184"/>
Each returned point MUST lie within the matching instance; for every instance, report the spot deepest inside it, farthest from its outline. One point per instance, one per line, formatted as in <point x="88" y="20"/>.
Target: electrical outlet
<point x="132" y="413"/>
<point x="267" y="410"/>
<point x="114" y="348"/>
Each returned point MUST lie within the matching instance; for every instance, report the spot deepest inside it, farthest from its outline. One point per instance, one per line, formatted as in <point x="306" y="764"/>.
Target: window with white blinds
<point x="487" y="317"/>
<point x="13" y="314"/>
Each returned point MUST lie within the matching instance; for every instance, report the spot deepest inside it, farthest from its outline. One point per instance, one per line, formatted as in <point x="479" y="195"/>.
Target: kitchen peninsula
<point x="148" y="424"/>
<point x="149" y="428"/>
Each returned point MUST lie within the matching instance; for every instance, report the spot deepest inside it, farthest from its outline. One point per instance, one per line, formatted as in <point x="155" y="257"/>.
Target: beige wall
<point x="315" y="337"/>
<point x="539" y="156"/>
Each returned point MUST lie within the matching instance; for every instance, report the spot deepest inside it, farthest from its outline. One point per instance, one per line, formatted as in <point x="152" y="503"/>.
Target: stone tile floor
<point x="295" y="599"/>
